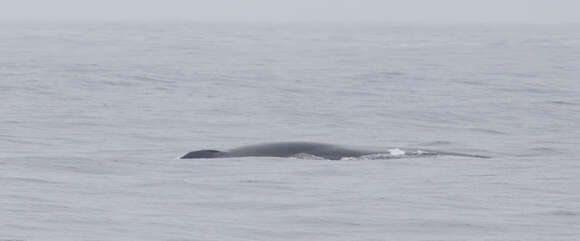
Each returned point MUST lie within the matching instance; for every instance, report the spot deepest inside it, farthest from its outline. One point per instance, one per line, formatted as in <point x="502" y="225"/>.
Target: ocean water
<point x="93" y="116"/>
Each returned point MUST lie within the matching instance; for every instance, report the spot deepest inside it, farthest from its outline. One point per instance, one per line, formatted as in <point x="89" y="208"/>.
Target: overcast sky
<point x="455" y="11"/>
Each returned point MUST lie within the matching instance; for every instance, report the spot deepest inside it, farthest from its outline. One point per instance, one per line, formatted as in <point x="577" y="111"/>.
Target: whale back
<point x="326" y="151"/>
<point x="288" y="149"/>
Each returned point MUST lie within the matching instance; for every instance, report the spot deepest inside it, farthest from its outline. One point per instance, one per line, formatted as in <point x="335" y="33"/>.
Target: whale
<point x="313" y="150"/>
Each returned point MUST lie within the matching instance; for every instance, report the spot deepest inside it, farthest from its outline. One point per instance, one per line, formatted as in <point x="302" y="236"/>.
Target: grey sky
<point x="526" y="11"/>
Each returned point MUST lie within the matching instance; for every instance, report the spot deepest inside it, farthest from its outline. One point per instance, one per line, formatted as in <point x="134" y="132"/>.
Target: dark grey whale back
<point x="281" y="149"/>
<point x="326" y="151"/>
<point x="288" y="149"/>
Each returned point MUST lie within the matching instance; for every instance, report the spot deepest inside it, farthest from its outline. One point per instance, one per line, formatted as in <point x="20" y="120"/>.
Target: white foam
<point x="396" y="152"/>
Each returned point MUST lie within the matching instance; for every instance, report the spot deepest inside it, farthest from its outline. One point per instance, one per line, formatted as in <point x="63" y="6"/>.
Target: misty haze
<point x="289" y="120"/>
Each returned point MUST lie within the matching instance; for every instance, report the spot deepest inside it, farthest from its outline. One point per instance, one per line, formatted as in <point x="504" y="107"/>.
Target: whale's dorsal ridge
<point x="203" y="154"/>
<point x="313" y="150"/>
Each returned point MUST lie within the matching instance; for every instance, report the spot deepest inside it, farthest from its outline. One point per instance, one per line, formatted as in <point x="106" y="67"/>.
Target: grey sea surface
<point x="93" y="116"/>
